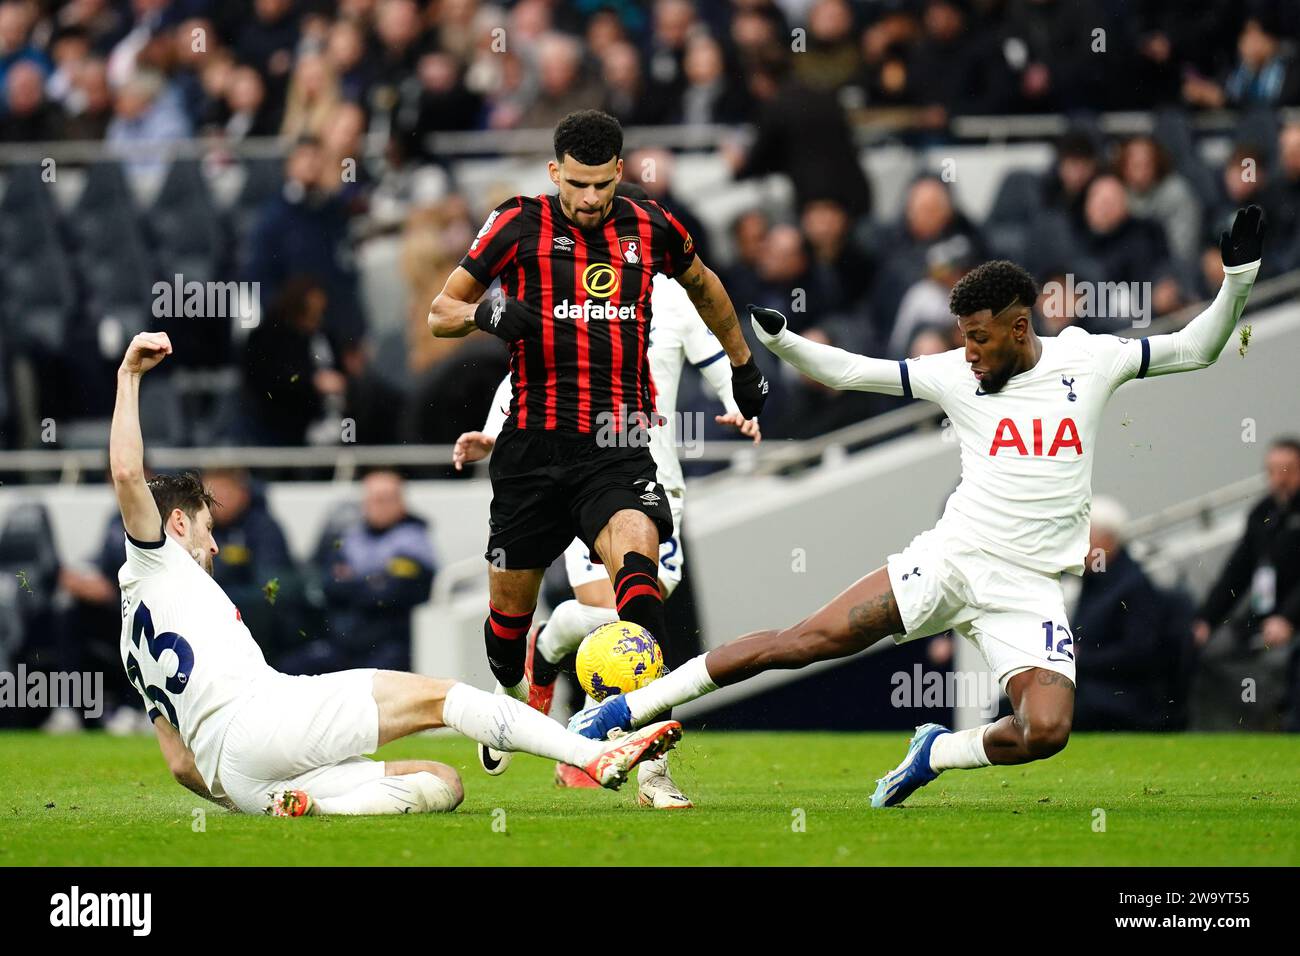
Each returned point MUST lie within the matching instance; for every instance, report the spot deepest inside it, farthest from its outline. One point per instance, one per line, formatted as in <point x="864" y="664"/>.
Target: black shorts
<point x="549" y="488"/>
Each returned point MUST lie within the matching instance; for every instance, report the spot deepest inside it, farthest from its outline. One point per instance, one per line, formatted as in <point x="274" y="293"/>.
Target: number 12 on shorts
<point x="1063" y="646"/>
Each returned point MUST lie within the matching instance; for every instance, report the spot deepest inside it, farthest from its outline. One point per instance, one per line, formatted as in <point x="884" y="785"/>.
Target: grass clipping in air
<point x="1245" y="340"/>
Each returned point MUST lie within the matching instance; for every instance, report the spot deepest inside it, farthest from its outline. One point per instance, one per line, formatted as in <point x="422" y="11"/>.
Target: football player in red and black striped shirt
<point x="575" y="272"/>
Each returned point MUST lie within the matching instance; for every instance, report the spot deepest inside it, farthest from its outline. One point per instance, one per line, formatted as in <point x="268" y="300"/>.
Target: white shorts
<point x="581" y="569"/>
<point x="301" y="733"/>
<point x="1015" y="616"/>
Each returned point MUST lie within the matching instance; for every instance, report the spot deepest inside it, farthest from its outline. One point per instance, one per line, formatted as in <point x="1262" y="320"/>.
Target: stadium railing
<point x="736" y="457"/>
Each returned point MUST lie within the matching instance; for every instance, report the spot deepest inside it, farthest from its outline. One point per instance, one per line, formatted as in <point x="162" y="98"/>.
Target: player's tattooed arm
<point x="452" y="314"/>
<point x="714" y="305"/>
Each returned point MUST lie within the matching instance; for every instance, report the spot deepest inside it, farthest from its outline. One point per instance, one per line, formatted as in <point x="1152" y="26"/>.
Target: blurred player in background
<point x="576" y="270"/>
<point x="1026" y="412"/>
<point x="677" y="336"/>
<point x="237" y="732"/>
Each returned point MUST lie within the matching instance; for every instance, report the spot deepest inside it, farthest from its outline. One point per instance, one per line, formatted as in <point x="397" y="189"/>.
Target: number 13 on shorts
<point x="1060" y="646"/>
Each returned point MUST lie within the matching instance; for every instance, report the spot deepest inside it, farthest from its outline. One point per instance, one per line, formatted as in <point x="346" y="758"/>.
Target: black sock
<point x="506" y="637"/>
<point x="638" y="599"/>
<point x="544" y="672"/>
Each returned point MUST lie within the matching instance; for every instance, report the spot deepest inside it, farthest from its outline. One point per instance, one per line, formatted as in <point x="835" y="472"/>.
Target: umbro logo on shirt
<point x="563" y="244"/>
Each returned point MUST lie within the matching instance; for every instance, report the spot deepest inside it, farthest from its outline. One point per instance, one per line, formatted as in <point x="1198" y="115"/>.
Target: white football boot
<point x="655" y="787"/>
<point x="494" y="762"/>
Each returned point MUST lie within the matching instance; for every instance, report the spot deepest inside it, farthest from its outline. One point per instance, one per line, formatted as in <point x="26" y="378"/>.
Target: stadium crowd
<point x="354" y="91"/>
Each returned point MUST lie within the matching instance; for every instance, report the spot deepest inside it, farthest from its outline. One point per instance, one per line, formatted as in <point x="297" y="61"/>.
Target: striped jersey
<point x="589" y="369"/>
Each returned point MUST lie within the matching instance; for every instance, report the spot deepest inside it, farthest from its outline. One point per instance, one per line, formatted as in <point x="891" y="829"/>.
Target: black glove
<point x="748" y="388"/>
<point x="506" y="318"/>
<point x="1246" y="242"/>
<point x="771" y="321"/>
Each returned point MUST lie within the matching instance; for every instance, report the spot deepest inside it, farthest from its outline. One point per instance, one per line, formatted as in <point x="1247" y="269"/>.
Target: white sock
<point x="518" y="692"/>
<point x="688" y="682"/>
<point x="959" y="750"/>
<point x="421" y="792"/>
<point x="568" y="625"/>
<point x="503" y="723"/>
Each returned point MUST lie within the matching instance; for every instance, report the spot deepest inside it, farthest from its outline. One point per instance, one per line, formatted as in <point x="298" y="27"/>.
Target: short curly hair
<point x="589" y="136"/>
<point x="995" y="286"/>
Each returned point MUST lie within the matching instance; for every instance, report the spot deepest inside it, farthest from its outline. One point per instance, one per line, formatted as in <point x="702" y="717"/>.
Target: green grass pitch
<point x="762" y="798"/>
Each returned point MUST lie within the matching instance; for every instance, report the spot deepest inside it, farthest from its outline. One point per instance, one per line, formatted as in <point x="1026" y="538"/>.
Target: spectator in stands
<point x="1210" y="272"/>
<point x="805" y="408"/>
<point x="748" y="238"/>
<point x="313" y="97"/>
<point x="435" y="101"/>
<point x="787" y="281"/>
<point x="28" y="116"/>
<point x="16" y="21"/>
<point x="92" y="621"/>
<point x="350" y="60"/>
<point x="343" y="147"/>
<point x="925" y="304"/>
<point x="90" y="102"/>
<point x="253" y="565"/>
<point x="710" y="93"/>
<point x="952" y="71"/>
<point x="1264" y="74"/>
<point x="562" y="88"/>
<point x="1247" y="624"/>
<point x="146" y="114"/>
<point x="802" y="133"/>
<point x="70" y="48"/>
<point x="245" y="107"/>
<point x="1120" y="248"/>
<point x="930" y="340"/>
<point x="1124" y="664"/>
<point x="304" y="232"/>
<point x="433" y="240"/>
<point x="1058" y="303"/>
<point x="1245" y="178"/>
<point x="287" y="368"/>
<point x="267" y="42"/>
<point x="1077" y="163"/>
<point x="382" y="569"/>
<point x="654" y="170"/>
<point x="673" y="22"/>
<point x="885" y="46"/>
<point x="844" y="271"/>
<point x="833" y="58"/>
<point x="1049" y="46"/>
<point x="1285" y="227"/>
<point x="402" y="40"/>
<point x="632" y="98"/>
<point x="1158" y="193"/>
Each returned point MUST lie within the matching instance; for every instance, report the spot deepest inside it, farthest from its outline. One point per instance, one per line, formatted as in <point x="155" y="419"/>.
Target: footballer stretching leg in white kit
<point x="238" y="732"/>
<point x="677" y="336"/>
<point x="1026" y="412"/>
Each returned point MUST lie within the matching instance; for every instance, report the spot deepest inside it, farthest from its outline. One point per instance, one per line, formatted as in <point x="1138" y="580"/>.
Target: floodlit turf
<point x="761" y="799"/>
